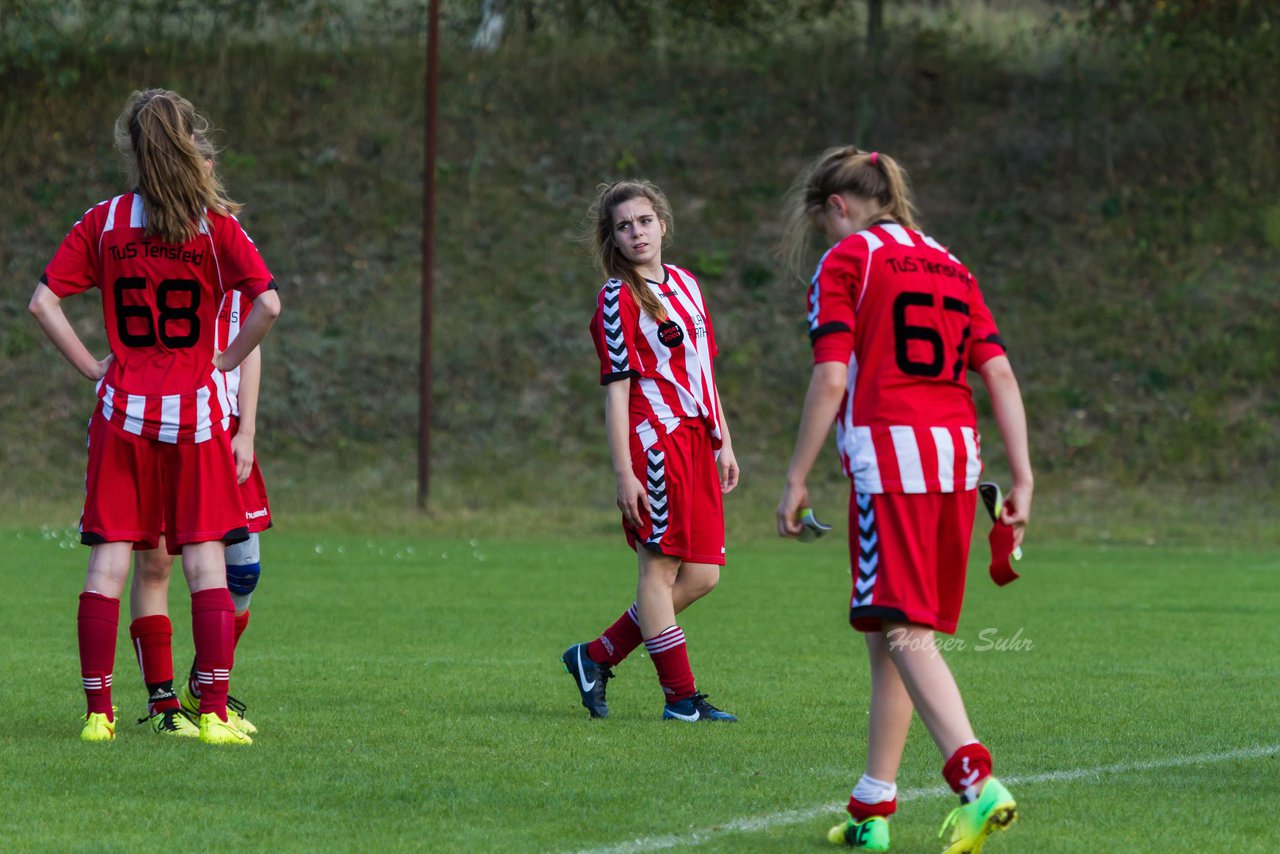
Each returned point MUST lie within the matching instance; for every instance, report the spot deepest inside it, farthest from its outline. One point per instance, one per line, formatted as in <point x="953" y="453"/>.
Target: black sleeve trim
<point x="272" y="286"/>
<point x="828" y="328"/>
<point x="44" y="279"/>
<point x="994" y="338"/>
<point x="619" y="375"/>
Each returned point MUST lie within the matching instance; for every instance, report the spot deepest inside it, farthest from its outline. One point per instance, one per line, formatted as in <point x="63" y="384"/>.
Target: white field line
<point x="781" y="819"/>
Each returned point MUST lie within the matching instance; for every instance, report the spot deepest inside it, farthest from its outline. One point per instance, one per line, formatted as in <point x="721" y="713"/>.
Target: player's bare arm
<point x="633" y="501"/>
<point x="727" y="460"/>
<point x="46" y="308"/>
<point x="1011" y="418"/>
<point x="242" y="441"/>
<point x="821" y="403"/>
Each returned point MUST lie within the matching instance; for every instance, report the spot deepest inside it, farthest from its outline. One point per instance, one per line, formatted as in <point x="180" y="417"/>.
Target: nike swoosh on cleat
<point x="689" y="718"/>
<point x="582" y="677"/>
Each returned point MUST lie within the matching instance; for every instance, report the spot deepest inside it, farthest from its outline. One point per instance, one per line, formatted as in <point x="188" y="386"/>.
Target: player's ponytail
<point x="608" y="254"/>
<point x="846" y="169"/>
<point x="165" y="143"/>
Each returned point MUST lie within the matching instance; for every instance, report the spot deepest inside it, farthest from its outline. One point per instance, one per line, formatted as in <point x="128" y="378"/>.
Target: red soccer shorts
<point x="686" y="509"/>
<point x="253" y="493"/>
<point x="137" y="489"/>
<point x="908" y="555"/>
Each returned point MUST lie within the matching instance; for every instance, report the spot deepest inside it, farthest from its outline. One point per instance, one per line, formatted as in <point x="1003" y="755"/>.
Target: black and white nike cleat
<point x="590" y="677"/>
<point x="695" y="708"/>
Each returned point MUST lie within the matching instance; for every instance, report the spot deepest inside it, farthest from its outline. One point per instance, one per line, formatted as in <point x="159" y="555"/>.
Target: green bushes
<point x="1111" y="181"/>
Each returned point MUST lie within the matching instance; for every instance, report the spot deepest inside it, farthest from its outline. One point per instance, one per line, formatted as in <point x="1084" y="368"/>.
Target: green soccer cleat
<point x="190" y="703"/>
<point x="97" y="727"/>
<point x="972" y="823"/>
<point x="172" y="722"/>
<point x="214" y="730"/>
<point x="869" y="835"/>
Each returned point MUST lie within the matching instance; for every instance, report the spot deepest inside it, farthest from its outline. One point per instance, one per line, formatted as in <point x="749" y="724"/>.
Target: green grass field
<point x="410" y="697"/>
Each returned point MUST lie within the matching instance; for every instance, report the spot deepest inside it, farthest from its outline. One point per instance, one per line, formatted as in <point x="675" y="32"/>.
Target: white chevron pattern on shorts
<point x="659" y="512"/>
<point x="868" y="551"/>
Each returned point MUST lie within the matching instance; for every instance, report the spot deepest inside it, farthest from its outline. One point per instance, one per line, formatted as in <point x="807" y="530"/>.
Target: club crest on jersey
<point x="670" y="333"/>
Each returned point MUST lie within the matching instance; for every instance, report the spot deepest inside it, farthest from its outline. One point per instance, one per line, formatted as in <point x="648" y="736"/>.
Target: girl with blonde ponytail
<point x="896" y="323"/>
<point x="669" y="443"/>
<point x="161" y="467"/>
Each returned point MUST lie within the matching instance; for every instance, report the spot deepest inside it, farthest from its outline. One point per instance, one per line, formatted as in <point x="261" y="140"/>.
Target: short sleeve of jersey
<point x="985" y="342"/>
<point x="74" y="268"/>
<point x="242" y="267"/>
<point x="832" y="300"/>
<point x="613" y="332"/>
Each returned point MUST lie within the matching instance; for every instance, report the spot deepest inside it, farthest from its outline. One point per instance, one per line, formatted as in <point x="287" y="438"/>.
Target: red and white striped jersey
<point x="160" y="304"/>
<point x="670" y="364"/>
<point x="235" y="308"/>
<point x="909" y="319"/>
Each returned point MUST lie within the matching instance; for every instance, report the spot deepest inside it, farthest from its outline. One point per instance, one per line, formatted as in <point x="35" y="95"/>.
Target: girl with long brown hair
<point x="669" y="443"/>
<point x="161" y="468"/>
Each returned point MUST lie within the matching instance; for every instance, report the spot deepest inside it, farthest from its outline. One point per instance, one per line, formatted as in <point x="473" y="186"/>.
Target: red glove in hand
<point x="1001" y="540"/>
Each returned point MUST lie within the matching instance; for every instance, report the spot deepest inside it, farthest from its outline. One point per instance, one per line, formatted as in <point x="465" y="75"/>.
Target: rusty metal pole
<point x="428" y="252"/>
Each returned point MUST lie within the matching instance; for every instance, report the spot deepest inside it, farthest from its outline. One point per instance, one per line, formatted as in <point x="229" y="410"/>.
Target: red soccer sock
<point x="97" y="620"/>
<point x="213" y="628"/>
<point x="967" y="766"/>
<point x="618" y="640"/>
<point x="671" y="659"/>
<point x="862" y="812"/>
<point x="241" y="623"/>
<point x="153" y="643"/>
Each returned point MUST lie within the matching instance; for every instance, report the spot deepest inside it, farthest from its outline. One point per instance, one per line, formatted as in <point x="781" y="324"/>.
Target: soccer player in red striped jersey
<point x="669" y="443"/>
<point x="171" y="712"/>
<point x="160" y="460"/>
<point x="896" y="322"/>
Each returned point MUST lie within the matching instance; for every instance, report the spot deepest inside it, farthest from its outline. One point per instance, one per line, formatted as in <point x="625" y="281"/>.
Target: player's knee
<point x="243" y="566"/>
<point x="243" y="579"/>
<point x="704" y="583"/>
<point x="152" y="567"/>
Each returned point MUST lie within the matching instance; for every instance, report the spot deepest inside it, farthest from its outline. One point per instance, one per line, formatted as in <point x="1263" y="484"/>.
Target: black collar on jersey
<point x="666" y="277"/>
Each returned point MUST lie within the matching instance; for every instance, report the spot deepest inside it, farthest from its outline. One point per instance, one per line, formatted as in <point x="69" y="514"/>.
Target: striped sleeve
<point x="613" y="330"/>
<point x="831" y="301"/>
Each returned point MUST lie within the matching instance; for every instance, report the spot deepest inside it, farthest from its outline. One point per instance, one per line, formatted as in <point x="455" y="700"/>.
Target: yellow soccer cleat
<point x="972" y="823"/>
<point x="172" y="722"/>
<point x="214" y="730"/>
<point x="97" y="727"/>
<point x="235" y="714"/>
<point x="190" y="702"/>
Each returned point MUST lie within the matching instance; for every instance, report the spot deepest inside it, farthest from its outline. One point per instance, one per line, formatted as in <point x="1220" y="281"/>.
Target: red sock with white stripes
<point x="97" y="620"/>
<point x="671" y="659"/>
<point x="153" y="644"/>
<point x="966" y="768"/>
<point x="213" y="628"/>
<point x="618" y="640"/>
<point x="242" y="623"/>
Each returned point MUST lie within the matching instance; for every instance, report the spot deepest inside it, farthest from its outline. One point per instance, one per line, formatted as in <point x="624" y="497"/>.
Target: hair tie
<point x="875" y="155"/>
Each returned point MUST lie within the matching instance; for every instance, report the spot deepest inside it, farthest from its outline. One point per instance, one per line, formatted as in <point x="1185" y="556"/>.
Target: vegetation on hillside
<point x="1108" y="170"/>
